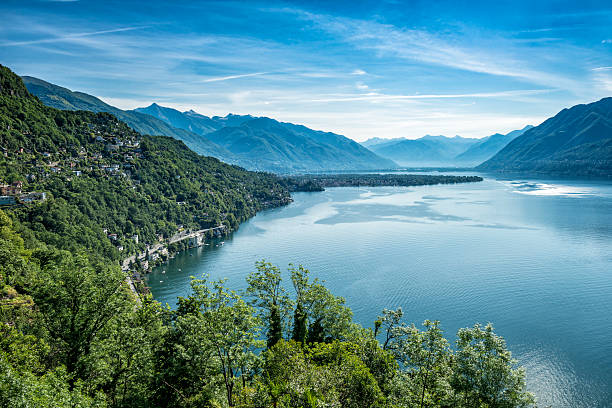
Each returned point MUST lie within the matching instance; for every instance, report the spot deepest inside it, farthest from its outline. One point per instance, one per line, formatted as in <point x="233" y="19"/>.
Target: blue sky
<point x="362" y="69"/>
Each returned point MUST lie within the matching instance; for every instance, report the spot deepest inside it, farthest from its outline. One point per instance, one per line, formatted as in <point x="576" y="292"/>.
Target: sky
<point x="362" y="69"/>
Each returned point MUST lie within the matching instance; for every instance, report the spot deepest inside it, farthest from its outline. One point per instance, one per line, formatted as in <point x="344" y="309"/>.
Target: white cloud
<point x="68" y="37"/>
<point x="493" y="55"/>
<point x="375" y="96"/>
<point x="226" y="78"/>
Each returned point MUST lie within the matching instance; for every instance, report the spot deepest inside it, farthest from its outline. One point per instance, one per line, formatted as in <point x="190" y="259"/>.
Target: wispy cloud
<point x="70" y="36"/>
<point x="229" y="77"/>
<point x="375" y="96"/>
<point x="493" y="56"/>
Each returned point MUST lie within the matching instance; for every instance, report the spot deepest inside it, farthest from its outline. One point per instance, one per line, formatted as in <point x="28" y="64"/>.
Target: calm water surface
<point x="533" y="257"/>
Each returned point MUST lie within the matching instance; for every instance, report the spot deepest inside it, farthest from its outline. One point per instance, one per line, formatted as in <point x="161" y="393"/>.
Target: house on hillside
<point x="11" y="189"/>
<point x="32" y="197"/>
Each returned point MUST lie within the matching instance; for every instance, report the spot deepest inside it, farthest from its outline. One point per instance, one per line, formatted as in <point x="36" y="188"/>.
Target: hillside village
<point x="111" y="153"/>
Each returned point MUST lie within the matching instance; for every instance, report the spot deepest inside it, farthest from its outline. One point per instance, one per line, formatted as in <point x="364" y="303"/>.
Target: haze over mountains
<point x="441" y="150"/>
<point x="276" y="146"/>
<point x="576" y="141"/>
<point x="253" y="143"/>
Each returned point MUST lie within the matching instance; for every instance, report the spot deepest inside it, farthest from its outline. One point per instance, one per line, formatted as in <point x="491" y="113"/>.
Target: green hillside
<point x="65" y="99"/>
<point x="74" y="334"/>
<point x="575" y="142"/>
<point x="100" y="174"/>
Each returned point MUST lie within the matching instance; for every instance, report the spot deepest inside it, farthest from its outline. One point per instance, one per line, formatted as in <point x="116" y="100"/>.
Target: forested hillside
<point x="61" y="98"/>
<point x="101" y="175"/>
<point x="72" y="334"/>
<point x="575" y="142"/>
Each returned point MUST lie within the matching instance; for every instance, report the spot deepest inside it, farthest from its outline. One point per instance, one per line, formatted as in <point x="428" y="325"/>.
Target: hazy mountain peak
<point x="575" y="141"/>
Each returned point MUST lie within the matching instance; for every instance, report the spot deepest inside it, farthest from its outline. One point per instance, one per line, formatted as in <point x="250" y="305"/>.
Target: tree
<point x="304" y="301"/>
<point x="484" y="372"/>
<point x="390" y="323"/>
<point x="424" y="355"/>
<point x="330" y="318"/>
<point x="77" y="300"/>
<point x="265" y="291"/>
<point x="226" y="326"/>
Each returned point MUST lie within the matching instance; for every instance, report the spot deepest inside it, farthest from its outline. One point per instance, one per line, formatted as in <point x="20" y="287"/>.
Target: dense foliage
<point x="318" y="182"/>
<point x="575" y="142"/>
<point x="72" y="333"/>
<point x="100" y="174"/>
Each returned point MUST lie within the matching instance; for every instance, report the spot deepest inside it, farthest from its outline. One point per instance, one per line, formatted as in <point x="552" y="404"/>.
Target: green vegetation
<point x="73" y="334"/>
<point x="575" y="142"/>
<point x="319" y="182"/>
<point x="101" y="175"/>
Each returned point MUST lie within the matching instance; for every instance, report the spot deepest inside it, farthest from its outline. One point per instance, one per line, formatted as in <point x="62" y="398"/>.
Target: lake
<point x="534" y="257"/>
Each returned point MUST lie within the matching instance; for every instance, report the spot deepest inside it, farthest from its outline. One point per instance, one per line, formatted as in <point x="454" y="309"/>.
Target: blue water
<point x="533" y="257"/>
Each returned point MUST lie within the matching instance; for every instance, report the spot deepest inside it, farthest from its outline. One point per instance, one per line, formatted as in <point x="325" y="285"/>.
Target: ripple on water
<point x="537" y="266"/>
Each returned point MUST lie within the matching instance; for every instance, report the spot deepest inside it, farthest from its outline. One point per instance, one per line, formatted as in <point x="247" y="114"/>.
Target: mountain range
<point x="487" y="147"/>
<point x="426" y="151"/>
<point x="576" y="141"/>
<point x="62" y="98"/>
<point x="254" y="143"/>
<point x="441" y="150"/>
<point x="267" y="144"/>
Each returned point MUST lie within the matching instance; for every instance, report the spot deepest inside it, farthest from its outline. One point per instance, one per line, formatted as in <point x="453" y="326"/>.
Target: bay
<point x="532" y="256"/>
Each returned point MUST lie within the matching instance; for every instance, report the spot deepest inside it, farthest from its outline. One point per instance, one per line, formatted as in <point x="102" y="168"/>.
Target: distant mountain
<point x="65" y="99"/>
<point x="285" y="147"/>
<point x="278" y="147"/>
<point x="576" y="141"/>
<point x="191" y="120"/>
<point x="426" y="151"/>
<point x="377" y="140"/>
<point x="487" y="147"/>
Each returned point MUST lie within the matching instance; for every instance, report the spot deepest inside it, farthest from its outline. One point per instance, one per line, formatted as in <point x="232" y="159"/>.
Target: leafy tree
<point x="265" y="291"/>
<point x="232" y="329"/>
<point x="390" y="323"/>
<point x="425" y="356"/>
<point x="484" y="372"/>
<point x="77" y="300"/>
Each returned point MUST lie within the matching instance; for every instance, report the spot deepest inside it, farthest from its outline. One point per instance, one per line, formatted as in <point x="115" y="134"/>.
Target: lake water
<point x="534" y="257"/>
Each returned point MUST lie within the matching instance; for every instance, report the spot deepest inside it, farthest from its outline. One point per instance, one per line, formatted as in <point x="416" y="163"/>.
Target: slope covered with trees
<point x="575" y="142"/>
<point x="101" y="175"/>
<point x="72" y="333"/>
<point x="65" y="99"/>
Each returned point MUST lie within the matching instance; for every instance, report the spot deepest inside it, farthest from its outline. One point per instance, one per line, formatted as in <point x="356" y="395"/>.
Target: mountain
<point x="488" y="147"/>
<point x="100" y="174"/>
<point x="576" y="141"/>
<point x="378" y="140"/>
<point x="285" y="147"/>
<point x="191" y="120"/>
<point x="425" y="151"/>
<point x="266" y="144"/>
<point x="65" y="99"/>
